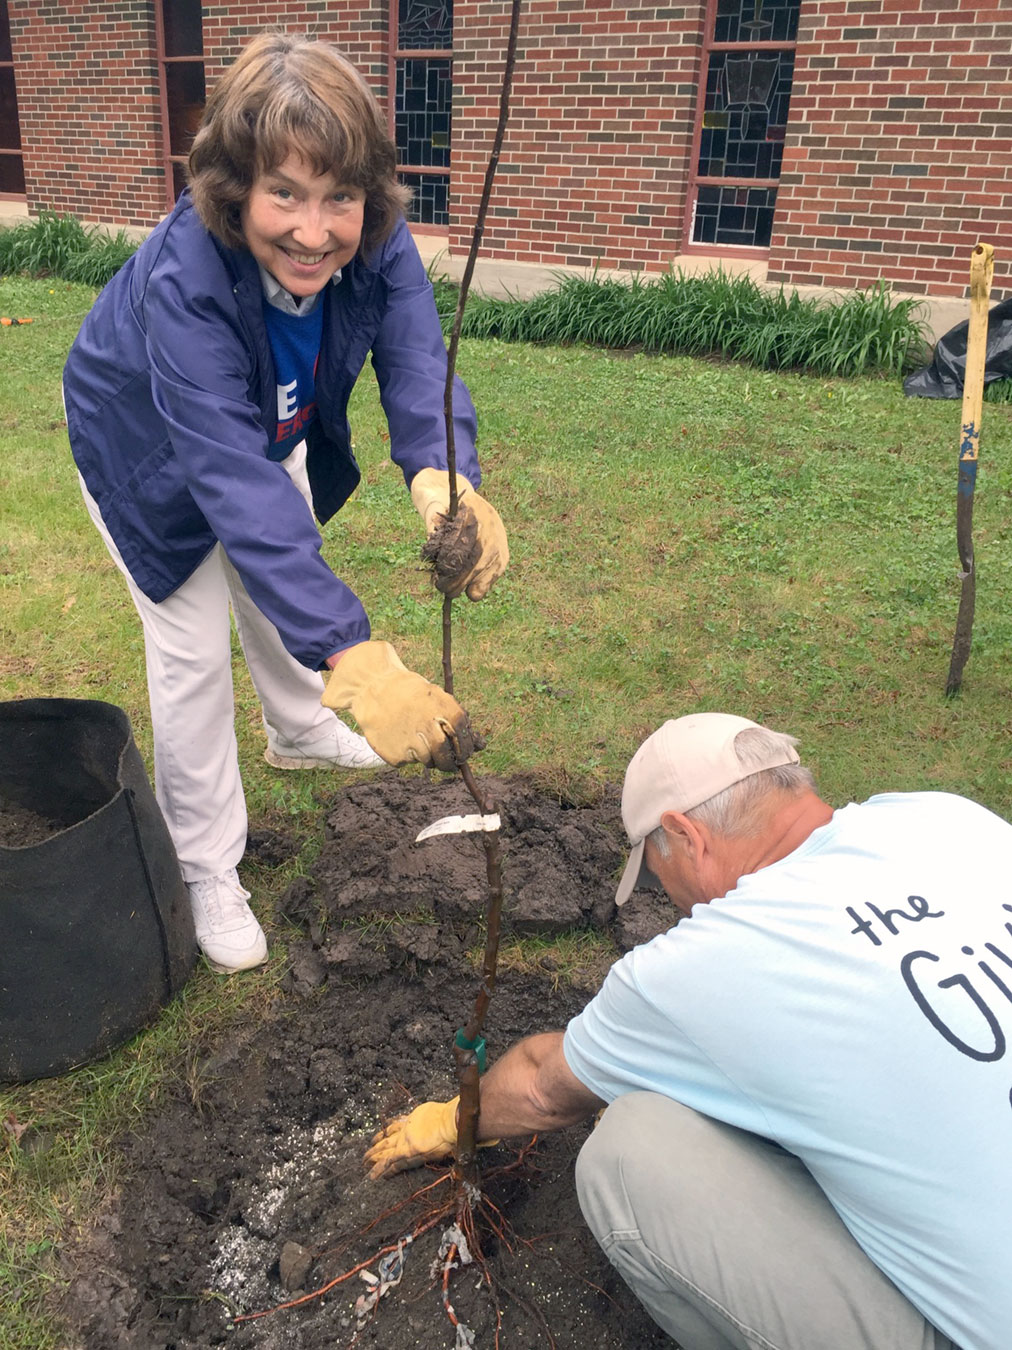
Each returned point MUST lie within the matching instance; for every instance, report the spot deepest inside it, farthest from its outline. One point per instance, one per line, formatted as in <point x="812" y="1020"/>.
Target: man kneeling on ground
<point x="808" y="1134"/>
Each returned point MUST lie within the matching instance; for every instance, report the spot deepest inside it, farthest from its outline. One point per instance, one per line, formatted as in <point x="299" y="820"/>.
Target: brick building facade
<point x="899" y="155"/>
<point x="879" y="146"/>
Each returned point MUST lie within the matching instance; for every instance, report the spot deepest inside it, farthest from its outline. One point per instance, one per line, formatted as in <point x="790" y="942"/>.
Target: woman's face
<point x="302" y="226"/>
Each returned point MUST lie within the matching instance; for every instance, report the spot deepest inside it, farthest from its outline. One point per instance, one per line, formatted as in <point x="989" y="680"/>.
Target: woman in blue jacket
<point x="206" y="400"/>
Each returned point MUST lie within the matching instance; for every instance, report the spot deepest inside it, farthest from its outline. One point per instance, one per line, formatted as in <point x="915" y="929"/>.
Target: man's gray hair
<point x="741" y="809"/>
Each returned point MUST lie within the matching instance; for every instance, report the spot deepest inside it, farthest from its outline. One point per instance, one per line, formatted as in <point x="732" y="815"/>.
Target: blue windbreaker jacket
<point x="172" y="403"/>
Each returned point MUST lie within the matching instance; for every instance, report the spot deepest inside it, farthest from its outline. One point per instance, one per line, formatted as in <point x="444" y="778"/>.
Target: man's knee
<point x="636" y="1132"/>
<point x="706" y="1223"/>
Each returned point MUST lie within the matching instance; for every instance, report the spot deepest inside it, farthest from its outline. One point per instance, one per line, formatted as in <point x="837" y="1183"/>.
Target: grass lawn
<point x="685" y="535"/>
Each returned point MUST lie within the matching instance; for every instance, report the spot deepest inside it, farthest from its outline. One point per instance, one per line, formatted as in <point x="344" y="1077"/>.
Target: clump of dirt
<point x="271" y="848"/>
<point x="249" y="1188"/>
<point x="21" y="828"/>
<point x="453" y="550"/>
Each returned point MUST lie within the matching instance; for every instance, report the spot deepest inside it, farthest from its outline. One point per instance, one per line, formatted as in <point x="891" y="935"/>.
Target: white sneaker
<point x="341" y="748"/>
<point x="227" y="929"/>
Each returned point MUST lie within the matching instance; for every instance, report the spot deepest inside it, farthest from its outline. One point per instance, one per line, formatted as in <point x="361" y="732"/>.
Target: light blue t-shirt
<point x="852" y="1002"/>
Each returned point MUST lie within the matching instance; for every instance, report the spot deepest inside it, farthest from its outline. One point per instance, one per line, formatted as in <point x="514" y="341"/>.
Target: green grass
<point x="861" y="332"/>
<point x="686" y="534"/>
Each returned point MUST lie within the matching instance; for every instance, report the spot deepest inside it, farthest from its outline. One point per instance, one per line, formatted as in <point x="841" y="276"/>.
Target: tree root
<point x="460" y="1246"/>
<point x="453" y="551"/>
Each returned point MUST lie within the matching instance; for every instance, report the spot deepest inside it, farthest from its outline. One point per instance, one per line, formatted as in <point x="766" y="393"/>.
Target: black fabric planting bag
<point x="96" y="934"/>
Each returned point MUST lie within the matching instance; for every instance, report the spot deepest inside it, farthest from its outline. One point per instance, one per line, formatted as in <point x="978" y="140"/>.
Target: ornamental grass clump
<point x="60" y="246"/>
<point x="999" y="392"/>
<point x="863" y="332"/>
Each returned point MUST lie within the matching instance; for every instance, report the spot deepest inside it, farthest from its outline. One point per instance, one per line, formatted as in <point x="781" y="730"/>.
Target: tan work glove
<point x="403" y="717"/>
<point x="427" y="1134"/>
<point x="468" y="553"/>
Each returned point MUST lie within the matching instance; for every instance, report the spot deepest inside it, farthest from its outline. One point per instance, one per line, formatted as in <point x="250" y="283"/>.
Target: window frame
<point x="696" y="180"/>
<point x="396" y="53"/>
<point x="169" y="160"/>
<point x="11" y="151"/>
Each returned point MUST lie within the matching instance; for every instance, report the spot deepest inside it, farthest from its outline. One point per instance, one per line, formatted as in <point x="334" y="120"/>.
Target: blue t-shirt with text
<point x="295" y="344"/>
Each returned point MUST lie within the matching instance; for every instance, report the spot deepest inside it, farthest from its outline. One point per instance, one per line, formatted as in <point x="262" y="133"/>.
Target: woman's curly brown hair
<point x="286" y="93"/>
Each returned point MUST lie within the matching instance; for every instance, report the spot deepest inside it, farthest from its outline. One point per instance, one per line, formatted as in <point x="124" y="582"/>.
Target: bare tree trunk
<point x="469" y="1046"/>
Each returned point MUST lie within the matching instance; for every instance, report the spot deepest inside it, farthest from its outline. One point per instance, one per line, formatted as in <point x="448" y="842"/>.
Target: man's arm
<point x="530" y="1090"/>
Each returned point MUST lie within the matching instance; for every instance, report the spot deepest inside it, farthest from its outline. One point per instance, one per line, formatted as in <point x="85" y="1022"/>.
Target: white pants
<point x="187" y="647"/>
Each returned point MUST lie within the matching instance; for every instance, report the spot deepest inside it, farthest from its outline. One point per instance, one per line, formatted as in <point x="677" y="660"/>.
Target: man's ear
<point x="684" y="835"/>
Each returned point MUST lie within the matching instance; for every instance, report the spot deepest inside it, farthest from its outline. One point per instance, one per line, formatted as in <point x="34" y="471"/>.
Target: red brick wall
<point x="359" y="29"/>
<point x="88" y="105"/>
<point x="899" y="148"/>
<point x="898" y="154"/>
<point x="597" y="147"/>
<point x="87" y="85"/>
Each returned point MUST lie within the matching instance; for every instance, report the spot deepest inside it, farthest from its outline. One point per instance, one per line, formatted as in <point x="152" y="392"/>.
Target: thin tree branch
<point x="466" y="1056"/>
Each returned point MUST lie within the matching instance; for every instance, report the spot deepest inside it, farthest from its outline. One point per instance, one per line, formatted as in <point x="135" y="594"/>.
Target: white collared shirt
<point x="281" y="299"/>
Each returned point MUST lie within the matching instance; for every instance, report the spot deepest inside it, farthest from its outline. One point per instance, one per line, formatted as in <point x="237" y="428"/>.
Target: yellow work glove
<point x="427" y="1134"/>
<point x="403" y="717"/>
<point x="468" y="553"/>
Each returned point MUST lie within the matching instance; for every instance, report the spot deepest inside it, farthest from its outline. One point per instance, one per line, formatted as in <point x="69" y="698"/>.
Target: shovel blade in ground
<point x="475" y="824"/>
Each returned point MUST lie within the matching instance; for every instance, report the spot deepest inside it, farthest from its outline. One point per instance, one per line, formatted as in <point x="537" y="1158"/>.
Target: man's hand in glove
<point x="426" y="1135"/>
<point x="468" y="553"/>
<point x="403" y="717"/>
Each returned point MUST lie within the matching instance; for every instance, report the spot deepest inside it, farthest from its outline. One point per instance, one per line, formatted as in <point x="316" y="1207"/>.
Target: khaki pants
<point x="727" y="1240"/>
<point x="187" y="647"/>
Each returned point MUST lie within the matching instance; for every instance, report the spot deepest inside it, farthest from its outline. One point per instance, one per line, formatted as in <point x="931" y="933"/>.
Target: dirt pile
<point x="249" y="1187"/>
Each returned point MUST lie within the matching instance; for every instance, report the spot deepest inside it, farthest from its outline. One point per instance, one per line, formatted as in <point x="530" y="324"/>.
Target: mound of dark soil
<point x="249" y="1188"/>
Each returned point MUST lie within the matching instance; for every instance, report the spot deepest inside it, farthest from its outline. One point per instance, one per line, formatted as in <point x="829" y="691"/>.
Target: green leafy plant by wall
<point x="60" y="246"/>
<point x="713" y="314"/>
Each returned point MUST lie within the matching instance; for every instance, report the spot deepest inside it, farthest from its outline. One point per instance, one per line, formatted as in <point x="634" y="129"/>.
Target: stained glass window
<point x="430" y="204"/>
<point x="422" y="117"/>
<point x="184" y="90"/>
<point x="12" y="164"/>
<point x="183" y="24"/>
<point x="181" y="72"/>
<point x="743" y="119"/>
<point x="734" y="215"/>
<point x="424" y="24"/>
<point x="423" y="104"/>
<point x="746" y="97"/>
<point x="756" y="21"/>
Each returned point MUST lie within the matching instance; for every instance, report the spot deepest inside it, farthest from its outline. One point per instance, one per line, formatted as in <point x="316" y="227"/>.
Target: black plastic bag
<point x="96" y="934"/>
<point x="943" y="378"/>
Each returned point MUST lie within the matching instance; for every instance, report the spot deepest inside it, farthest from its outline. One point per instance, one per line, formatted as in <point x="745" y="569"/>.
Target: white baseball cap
<point x="683" y="764"/>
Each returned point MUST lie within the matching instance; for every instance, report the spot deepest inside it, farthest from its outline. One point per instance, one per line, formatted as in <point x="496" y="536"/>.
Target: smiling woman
<point x="302" y="226"/>
<point x="286" y="96"/>
<point x="207" y="399"/>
